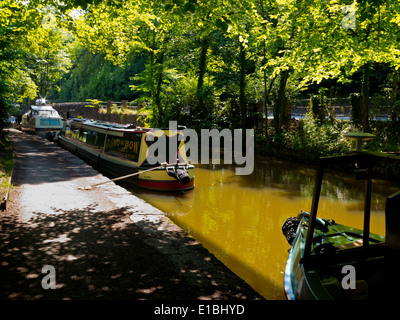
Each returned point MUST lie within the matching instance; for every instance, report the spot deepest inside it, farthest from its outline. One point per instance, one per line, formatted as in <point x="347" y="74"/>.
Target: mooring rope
<point x="163" y="165"/>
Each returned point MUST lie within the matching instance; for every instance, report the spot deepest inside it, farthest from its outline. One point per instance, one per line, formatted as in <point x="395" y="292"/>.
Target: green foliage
<point x="231" y="42"/>
<point x="314" y="138"/>
<point x="93" y="77"/>
<point x="206" y="63"/>
<point x="6" y="164"/>
<point x="95" y="104"/>
<point x="308" y="139"/>
<point x="32" y="52"/>
<point x="387" y="137"/>
<point x="5" y="106"/>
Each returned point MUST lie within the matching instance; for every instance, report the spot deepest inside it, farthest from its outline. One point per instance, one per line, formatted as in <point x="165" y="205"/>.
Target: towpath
<point x="103" y="244"/>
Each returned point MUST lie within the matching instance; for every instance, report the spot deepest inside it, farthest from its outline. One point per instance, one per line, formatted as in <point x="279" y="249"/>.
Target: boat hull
<point x="156" y="180"/>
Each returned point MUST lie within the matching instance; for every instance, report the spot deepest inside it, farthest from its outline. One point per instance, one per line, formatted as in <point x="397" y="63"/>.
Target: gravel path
<point x="103" y="244"/>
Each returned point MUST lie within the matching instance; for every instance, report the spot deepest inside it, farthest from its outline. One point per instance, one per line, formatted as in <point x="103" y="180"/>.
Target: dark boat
<point x="119" y="150"/>
<point x="330" y="261"/>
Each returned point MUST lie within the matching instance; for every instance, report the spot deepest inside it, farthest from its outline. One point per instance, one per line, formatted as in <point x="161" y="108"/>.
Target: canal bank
<point x="103" y="243"/>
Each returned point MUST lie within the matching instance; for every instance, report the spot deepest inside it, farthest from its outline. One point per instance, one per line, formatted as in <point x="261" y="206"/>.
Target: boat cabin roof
<point x="110" y="125"/>
<point x="43" y="111"/>
<point x="42" y="108"/>
<point x="117" y="126"/>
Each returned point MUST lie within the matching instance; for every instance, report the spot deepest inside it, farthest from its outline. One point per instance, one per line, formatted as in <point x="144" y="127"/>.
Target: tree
<point x="155" y="28"/>
<point x="15" y="23"/>
<point x="130" y="28"/>
<point x="48" y="59"/>
<point x="221" y="46"/>
<point x="32" y="58"/>
<point x="337" y="39"/>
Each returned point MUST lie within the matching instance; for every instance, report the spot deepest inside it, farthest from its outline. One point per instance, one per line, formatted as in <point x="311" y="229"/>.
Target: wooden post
<point x="392" y="247"/>
<point x="367" y="207"/>
<point x="314" y="209"/>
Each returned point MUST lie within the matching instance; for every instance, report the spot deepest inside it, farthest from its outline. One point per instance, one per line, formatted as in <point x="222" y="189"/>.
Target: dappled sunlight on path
<point x="98" y="255"/>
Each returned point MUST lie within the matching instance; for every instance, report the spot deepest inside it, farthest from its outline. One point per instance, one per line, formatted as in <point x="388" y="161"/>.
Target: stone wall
<point x="86" y="110"/>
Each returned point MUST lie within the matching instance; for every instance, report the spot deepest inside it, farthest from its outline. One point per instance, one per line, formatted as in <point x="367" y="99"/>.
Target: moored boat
<point x="120" y="150"/>
<point x="331" y="261"/>
<point x="43" y="120"/>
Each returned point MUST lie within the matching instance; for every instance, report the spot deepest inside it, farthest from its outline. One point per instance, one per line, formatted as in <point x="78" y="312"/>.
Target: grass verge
<point x="6" y="168"/>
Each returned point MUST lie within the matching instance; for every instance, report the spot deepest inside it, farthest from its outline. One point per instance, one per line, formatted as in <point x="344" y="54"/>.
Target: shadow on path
<point x="40" y="161"/>
<point x="103" y="255"/>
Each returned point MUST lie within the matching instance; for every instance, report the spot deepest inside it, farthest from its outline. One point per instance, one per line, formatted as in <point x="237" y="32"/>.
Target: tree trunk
<point x="265" y="109"/>
<point x="200" y="80"/>
<point x="242" y="86"/>
<point x="365" y="98"/>
<point x="394" y="113"/>
<point x="157" y="97"/>
<point x="151" y="68"/>
<point x="281" y="102"/>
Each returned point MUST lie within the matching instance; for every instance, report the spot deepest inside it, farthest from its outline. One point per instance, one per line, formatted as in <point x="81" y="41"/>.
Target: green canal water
<point x="239" y="218"/>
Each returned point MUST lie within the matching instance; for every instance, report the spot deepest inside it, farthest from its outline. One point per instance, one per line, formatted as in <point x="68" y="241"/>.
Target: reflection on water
<point x="239" y="218"/>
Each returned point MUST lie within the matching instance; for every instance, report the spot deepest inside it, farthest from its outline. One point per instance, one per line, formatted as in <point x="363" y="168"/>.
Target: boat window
<point x="95" y="138"/>
<point x="92" y="137"/>
<point x="88" y="136"/>
<point x="49" y="122"/>
<point x="124" y="147"/>
<point x="45" y="113"/>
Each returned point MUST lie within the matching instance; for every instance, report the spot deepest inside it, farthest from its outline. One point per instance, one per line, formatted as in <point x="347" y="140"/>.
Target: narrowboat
<point x="118" y="150"/>
<point x="43" y="120"/>
<point x="331" y="261"/>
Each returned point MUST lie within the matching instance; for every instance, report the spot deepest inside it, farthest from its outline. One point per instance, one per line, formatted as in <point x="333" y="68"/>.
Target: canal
<point x="239" y="218"/>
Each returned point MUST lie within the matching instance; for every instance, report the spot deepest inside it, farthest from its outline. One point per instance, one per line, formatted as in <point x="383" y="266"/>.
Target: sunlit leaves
<point x="315" y="34"/>
<point x="32" y="54"/>
<point x="315" y="40"/>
